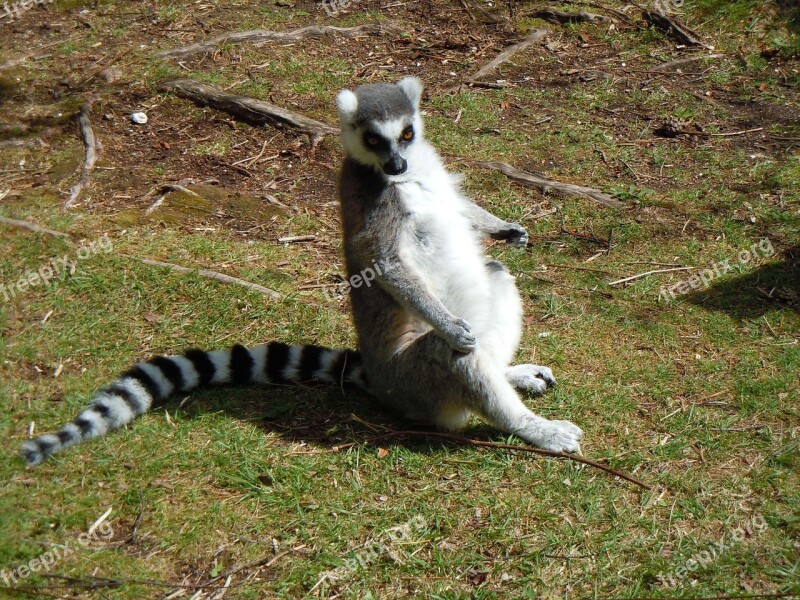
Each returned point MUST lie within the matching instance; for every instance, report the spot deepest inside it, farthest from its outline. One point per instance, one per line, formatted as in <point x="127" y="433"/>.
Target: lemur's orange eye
<point x="408" y="134"/>
<point x="372" y="140"/>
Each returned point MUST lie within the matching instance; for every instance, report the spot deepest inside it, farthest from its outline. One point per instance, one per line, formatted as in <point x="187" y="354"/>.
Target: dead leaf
<point x="478" y="578"/>
<point x="383" y="453"/>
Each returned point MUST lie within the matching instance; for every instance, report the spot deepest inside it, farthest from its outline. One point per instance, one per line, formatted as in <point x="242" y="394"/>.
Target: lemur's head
<point x="380" y="123"/>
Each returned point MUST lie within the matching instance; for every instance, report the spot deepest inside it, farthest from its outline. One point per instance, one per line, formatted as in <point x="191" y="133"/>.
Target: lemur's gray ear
<point x="347" y="103"/>
<point x="412" y="87"/>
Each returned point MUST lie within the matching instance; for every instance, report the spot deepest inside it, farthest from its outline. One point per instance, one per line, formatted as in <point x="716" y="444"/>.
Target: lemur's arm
<point x="408" y="289"/>
<point x="496" y="228"/>
<point x="406" y="286"/>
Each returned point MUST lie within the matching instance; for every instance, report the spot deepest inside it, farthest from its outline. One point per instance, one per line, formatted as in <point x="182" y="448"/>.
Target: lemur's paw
<point x="563" y="437"/>
<point x="458" y="334"/>
<point x="517" y="236"/>
<point x="558" y="436"/>
<point x="530" y="378"/>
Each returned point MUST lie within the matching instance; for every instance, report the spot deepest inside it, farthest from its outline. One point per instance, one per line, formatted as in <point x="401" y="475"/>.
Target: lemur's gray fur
<point x="437" y="327"/>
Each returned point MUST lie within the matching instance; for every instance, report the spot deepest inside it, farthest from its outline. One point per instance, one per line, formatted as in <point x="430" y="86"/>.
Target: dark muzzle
<point x="396" y="165"/>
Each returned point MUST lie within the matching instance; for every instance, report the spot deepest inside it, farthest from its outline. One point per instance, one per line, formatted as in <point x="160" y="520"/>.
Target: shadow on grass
<point x="321" y="416"/>
<point x="753" y="294"/>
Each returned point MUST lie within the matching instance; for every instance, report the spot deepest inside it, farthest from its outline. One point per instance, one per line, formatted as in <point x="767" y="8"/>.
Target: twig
<point x="671" y="27"/>
<point x="13" y="62"/>
<point x="465" y="440"/>
<point x="294" y="239"/>
<point x="488" y="17"/>
<point x="731" y="134"/>
<point x="748" y="428"/>
<point x="251" y="110"/>
<point x="138" y="521"/>
<point x="640" y="275"/>
<point x="92" y="145"/>
<point x="211" y="275"/>
<point x="542" y="121"/>
<point x="567" y="286"/>
<point x="33" y="227"/>
<point x="683" y="61"/>
<point x="545" y="186"/>
<point x="535" y="37"/>
<point x="557" y="16"/>
<point x="263" y="36"/>
<point x="658" y="264"/>
<point x="576" y="268"/>
<point x="97" y="72"/>
<point x="165" y="191"/>
<point x="176" y="187"/>
<point x="21" y="143"/>
<point x="99" y="521"/>
<point x="91" y="582"/>
<point x="617" y="13"/>
<point x="265" y="562"/>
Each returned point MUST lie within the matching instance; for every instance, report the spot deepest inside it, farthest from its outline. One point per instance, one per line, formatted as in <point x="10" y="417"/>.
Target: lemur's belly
<point x="447" y="253"/>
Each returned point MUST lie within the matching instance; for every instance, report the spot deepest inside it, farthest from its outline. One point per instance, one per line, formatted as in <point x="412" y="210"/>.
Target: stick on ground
<point x="261" y="36"/>
<point x="465" y="440"/>
<point x="673" y="28"/>
<point x="251" y="110"/>
<point x="93" y="146"/>
<point x="534" y="37"/>
<point x="549" y="186"/>
<point x="560" y="17"/>
<point x="33" y="227"/>
<point x="685" y="61"/>
<point x="212" y="275"/>
<point x="640" y="275"/>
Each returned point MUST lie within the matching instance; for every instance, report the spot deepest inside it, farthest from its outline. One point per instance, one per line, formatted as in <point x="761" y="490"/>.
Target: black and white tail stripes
<point x="135" y="391"/>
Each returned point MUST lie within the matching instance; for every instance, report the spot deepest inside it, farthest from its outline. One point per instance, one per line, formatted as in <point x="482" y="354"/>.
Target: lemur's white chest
<point x="443" y="247"/>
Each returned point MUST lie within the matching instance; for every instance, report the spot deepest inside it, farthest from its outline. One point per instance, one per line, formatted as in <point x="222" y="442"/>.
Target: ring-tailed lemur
<point x="438" y="325"/>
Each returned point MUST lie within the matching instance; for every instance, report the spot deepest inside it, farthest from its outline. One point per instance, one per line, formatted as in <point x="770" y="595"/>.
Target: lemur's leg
<point x="502" y="338"/>
<point x="530" y="378"/>
<point x="499" y="403"/>
<point x="430" y="382"/>
<point x="502" y="341"/>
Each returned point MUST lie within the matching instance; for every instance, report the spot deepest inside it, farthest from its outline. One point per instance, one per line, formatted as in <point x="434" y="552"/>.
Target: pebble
<point x="139" y="118"/>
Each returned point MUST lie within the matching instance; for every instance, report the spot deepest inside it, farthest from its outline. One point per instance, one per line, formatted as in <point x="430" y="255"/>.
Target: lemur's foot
<point x="530" y="378"/>
<point x="558" y="436"/>
<point x="518" y="237"/>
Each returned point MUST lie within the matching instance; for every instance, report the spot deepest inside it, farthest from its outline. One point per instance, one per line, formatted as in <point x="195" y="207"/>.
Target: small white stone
<point x="139" y="118"/>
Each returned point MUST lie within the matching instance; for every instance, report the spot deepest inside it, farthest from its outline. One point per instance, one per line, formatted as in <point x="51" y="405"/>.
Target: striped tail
<point x="135" y="391"/>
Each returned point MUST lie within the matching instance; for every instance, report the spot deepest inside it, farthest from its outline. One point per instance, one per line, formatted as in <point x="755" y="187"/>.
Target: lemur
<point x="438" y="325"/>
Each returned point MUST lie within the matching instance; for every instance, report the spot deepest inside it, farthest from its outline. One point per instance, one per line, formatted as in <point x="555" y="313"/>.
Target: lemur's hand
<point x="458" y="334"/>
<point x="517" y="236"/>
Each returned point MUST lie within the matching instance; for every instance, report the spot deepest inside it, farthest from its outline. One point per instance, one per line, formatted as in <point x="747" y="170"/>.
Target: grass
<point x="696" y="395"/>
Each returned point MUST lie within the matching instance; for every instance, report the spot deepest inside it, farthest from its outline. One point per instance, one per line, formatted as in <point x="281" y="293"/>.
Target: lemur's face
<point x="380" y="122"/>
<point x="388" y="142"/>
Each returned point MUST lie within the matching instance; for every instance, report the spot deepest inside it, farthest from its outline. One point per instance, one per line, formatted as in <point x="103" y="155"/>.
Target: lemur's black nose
<point x="396" y="165"/>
